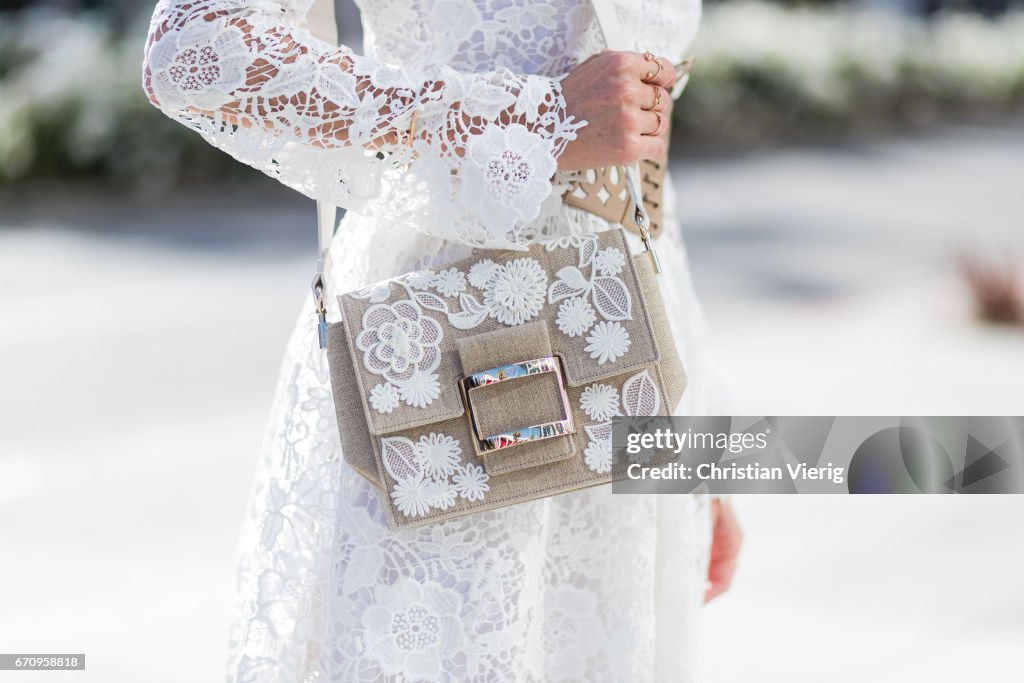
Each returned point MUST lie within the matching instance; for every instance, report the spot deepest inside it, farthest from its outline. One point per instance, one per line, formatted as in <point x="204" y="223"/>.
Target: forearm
<point x="481" y="169"/>
<point x="273" y="76"/>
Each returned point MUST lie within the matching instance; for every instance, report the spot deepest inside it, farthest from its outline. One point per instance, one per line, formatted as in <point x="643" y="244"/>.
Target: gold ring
<point x="660" y="121"/>
<point x="651" y="75"/>
<point x="657" y="96"/>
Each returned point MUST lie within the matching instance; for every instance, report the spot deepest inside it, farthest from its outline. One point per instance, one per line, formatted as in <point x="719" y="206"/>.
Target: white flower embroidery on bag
<point x="609" y="261"/>
<point x="430" y="474"/>
<point x="575" y="316"/>
<point x="443" y="494"/>
<point x="420" y="389"/>
<point x="598" y="455"/>
<point x="607" y="292"/>
<point x="438" y="455"/>
<point x="450" y="282"/>
<point x="384" y="397"/>
<point x="481" y="272"/>
<point x="515" y="291"/>
<point x="608" y="341"/>
<point x="639" y="397"/>
<point x="600" y="402"/>
<point x="471" y="482"/>
<point x="420" y="279"/>
<point x="414" y="496"/>
<point x="402" y="345"/>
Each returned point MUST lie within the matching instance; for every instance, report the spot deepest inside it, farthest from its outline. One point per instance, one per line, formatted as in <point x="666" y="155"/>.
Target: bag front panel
<point x="404" y="344"/>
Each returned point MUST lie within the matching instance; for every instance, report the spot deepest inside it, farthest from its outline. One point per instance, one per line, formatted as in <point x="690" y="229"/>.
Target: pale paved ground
<point x="136" y="375"/>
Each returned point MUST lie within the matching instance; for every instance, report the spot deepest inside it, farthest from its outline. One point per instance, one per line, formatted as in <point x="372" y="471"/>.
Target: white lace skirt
<point x="584" y="586"/>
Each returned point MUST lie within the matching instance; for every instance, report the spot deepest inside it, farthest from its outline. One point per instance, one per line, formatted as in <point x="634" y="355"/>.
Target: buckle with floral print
<point x="526" y="434"/>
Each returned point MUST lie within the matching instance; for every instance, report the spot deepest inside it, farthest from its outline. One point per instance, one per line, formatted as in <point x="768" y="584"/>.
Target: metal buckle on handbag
<point x="520" y="435"/>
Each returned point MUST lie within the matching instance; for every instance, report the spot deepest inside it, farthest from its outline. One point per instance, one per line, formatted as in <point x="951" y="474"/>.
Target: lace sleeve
<point x="481" y="169"/>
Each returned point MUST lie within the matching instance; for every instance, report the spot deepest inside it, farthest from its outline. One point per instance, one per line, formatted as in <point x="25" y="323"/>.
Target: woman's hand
<point x="725" y="546"/>
<point x="627" y="103"/>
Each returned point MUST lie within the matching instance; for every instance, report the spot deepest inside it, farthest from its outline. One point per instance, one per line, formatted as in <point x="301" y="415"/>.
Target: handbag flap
<point x="403" y="332"/>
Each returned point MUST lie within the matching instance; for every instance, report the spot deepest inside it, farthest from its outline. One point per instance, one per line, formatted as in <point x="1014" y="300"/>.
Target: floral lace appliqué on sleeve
<point x="481" y="168"/>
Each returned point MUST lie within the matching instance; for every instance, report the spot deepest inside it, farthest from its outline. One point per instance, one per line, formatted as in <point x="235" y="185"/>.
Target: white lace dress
<point x="584" y="586"/>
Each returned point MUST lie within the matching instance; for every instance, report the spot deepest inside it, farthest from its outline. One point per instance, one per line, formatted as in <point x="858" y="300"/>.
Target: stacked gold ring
<point x="657" y="130"/>
<point x="657" y="97"/>
<point x="651" y="75"/>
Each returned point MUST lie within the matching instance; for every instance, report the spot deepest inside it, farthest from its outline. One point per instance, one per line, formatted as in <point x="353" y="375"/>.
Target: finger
<point x="720" y="575"/>
<point x="657" y="98"/>
<point x="648" y="71"/>
<point x="714" y="591"/>
<point x="652" y="123"/>
<point x="650" y="147"/>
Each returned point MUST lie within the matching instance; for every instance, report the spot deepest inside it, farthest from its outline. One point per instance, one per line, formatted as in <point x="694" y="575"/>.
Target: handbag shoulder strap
<point x="611" y="27"/>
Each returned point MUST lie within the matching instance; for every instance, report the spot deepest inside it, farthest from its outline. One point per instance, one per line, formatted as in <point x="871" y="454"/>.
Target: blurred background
<point x="851" y="180"/>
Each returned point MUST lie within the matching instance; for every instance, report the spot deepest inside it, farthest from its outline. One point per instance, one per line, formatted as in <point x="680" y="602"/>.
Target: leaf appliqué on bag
<point x="588" y="247"/>
<point x="472" y="314"/>
<point x="573" y="277"/>
<point x="570" y="281"/>
<point x="599" y="432"/>
<point x="431" y="301"/>
<point x="611" y="298"/>
<point x="399" y="456"/>
<point x="640" y="395"/>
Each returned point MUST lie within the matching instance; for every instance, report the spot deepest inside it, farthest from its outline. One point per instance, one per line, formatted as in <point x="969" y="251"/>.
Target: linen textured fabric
<point x="581" y="586"/>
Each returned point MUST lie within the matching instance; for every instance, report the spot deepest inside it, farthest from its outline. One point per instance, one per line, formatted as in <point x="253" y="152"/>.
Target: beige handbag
<point x="493" y="380"/>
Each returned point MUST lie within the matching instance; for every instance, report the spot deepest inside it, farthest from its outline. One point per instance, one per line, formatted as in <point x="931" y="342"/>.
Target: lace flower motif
<point x="607" y="342"/>
<point x="600" y="402"/>
<point x="575" y="316"/>
<point x="384" y="397"/>
<point x="420" y="389"/>
<point x="412" y="627"/>
<point x="201" y="63"/>
<point x="598" y="455"/>
<point x="609" y="261"/>
<point x="471" y="482"/>
<point x="516" y="291"/>
<point x="481" y="272"/>
<point x="450" y="282"/>
<point x="438" y="455"/>
<point x="512" y="171"/>
<point x="573" y="633"/>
